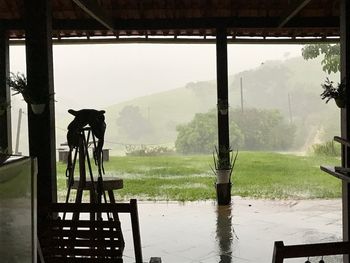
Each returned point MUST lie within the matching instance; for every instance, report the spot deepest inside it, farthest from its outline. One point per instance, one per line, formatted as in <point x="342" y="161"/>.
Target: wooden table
<point x="109" y="184"/>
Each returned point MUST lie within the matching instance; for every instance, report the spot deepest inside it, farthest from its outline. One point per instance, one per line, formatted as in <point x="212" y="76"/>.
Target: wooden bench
<point x="282" y="252"/>
<point x="88" y="240"/>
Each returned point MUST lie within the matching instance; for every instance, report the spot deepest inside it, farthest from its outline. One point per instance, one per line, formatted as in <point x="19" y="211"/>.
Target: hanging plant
<point x="37" y="99"/>
<point x="334" y="92"/>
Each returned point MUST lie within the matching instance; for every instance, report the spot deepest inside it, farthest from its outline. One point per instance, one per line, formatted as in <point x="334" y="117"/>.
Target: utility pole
<point x="18" y="129"/>
<point x="241" y="81"/>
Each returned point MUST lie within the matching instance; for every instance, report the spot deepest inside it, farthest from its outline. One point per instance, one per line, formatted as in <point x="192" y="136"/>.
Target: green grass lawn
<point x="188" y="178"/>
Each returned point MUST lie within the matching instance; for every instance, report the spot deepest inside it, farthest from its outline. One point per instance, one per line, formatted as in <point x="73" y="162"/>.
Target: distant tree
<point x="200" y="135"/>
<point x="132" y="124"/>
<point x="331" y="52"/>
<point x="264" y="129"/>
<point x="252" y="130"/>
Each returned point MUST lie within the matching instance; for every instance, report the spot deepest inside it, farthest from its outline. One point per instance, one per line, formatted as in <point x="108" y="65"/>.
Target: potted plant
<point x="223" y="167"/>
<point x="37" y="100"/>
<point x="224" y="163"/>
<point x="331" y="92"/>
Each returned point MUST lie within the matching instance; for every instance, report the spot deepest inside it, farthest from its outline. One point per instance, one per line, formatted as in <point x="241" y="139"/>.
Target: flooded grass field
<point x="189" y="178"/>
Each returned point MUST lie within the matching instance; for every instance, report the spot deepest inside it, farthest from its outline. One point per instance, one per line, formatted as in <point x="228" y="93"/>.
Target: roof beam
<point x="92" y="8"/>
<point x="140" y="40"/>
<point x="293" y="9"/>
<point x="199" y="23"/>
<point x="162" y="24"/>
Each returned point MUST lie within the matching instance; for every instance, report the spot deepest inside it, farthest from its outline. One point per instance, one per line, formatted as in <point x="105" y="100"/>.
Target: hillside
<point x="166" y="110"/>
<point x="267" y="86"/>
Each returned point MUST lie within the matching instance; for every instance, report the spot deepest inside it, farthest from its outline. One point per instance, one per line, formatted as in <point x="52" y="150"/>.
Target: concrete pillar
<point x="345" y="112"/>
<point x="5" y="97"/>
<point x="41" y="127"/>
<point x="223" y="190"/>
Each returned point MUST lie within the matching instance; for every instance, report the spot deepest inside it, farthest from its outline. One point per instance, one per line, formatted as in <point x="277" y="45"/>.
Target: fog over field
<point x="109" y="74"/>
<point x="168" y="84"/>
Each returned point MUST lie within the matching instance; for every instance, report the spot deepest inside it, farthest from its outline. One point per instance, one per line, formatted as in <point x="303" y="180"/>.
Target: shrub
<point x="143" y="150"/>
<point x="326" y="149"/>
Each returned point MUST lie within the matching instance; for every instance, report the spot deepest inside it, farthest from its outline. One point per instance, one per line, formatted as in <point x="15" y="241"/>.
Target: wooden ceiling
<point x="88" y="19"/>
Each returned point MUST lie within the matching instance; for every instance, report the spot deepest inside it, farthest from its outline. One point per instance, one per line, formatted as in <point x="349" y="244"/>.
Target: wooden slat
<point x="84" y="233"/>
<point x="342" y="141"/>
<point x="64" y="252"/>
<point x="309" y="250"/>
<point x="86" y="260"/>
<point x="110" y="243"/>
<point x="109" y="183"/>
<point x="88" y="208"/>
<point x="84" y="223"/>
<point x="331" y="170"/>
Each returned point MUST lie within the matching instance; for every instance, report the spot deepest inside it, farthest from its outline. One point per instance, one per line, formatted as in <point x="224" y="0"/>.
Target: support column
<point x="223" y="190"/>
<point x="345" y="112"/>
<point x="5" y="97"/>
<point x="41" y="127"/>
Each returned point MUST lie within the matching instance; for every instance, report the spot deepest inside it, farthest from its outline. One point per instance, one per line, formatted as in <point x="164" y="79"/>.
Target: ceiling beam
<point x="92" y="8"/>
<point x="206" y="23"/>
<point x="301" y="23"/>
<point x="292" y="10"/>
<point x="139" y="40"/>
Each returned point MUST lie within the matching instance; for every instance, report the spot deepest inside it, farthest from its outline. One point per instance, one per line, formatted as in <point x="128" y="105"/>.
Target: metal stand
<point x="97" y="188"/>
<point x="83" y="150"/>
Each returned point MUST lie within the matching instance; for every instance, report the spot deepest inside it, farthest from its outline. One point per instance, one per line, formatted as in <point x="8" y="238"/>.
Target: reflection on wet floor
<point x="244" y="232"/>
<point x="224" y="233"/>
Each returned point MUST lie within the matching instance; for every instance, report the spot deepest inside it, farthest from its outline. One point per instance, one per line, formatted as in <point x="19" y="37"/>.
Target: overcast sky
<point x="100" y="75"/>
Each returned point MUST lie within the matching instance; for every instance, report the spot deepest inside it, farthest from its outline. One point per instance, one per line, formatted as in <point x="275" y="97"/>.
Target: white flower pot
<point x="223" y="176"/>
<point x="37" y="108"/>
<point x="340" y="103"/>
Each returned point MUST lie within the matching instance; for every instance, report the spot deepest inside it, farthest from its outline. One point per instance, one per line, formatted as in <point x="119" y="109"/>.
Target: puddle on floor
<point x="244" y="232"/>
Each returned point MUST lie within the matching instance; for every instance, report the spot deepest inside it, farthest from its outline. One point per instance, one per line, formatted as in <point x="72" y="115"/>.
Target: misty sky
<point x="92" y="76"/>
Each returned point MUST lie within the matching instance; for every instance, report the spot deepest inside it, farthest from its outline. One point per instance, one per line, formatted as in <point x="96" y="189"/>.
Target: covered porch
<point x="41" y="24"/>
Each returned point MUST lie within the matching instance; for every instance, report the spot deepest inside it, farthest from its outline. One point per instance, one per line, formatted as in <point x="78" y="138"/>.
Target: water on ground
<point x="202" y="232"/>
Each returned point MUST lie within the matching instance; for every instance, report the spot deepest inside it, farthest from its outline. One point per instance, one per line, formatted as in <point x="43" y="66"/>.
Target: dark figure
<point x="96" y="120"/>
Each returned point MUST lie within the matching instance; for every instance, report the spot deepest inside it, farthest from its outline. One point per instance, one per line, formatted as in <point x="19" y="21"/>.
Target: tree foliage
<point x="251" y="130"/>
<point x="331" y="52"/>
<point x="197" y="136"/>
<point x="200" y="135"/>
<point x="264" y="129"/>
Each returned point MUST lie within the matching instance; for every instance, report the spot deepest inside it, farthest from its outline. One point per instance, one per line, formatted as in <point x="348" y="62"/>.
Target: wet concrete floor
<point x="244" y="232"/>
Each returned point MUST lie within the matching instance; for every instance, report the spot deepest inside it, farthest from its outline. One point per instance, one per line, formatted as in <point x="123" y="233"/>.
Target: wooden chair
<point x="90" y="239"/>
<point x="282" y="252"/>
